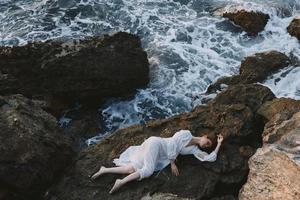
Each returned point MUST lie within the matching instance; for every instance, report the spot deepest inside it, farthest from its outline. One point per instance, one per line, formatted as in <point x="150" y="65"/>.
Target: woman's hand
<point x="220" y="138"/>
<point x="174" y="169"/>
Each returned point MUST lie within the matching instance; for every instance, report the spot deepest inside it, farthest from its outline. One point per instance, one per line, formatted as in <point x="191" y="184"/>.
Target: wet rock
<point x="8" y="83"/>
<point x="251" y="95"/>
<point x="279" y="105"/>
<point x="275" y="168"/>
<point x="88" y="70"/>
<point x="222" y="83"/>
<point x="252" y="22"/>
<point x="294" y="28"/>
<point x="254" y="68"/>
<point x="84" y="123"/>
<point x="220" y="180"/>
<point x="33" y="149"/>
<point x="259" y="66"/>
<point x="228" y="26"/>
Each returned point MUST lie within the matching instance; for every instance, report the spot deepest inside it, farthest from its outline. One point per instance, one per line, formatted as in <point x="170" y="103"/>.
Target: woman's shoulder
<point x="183" y="132"/>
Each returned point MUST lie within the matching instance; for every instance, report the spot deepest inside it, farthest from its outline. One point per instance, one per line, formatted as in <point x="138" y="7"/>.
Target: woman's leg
<point x="149" y="162"/>
<point x="146" y="171"/>
<point x="126" y="169"/>
<point x="120" y="182"/>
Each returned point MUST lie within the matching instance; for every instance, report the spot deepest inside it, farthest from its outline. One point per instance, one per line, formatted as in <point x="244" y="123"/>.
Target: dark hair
<point x="213" y="140"/>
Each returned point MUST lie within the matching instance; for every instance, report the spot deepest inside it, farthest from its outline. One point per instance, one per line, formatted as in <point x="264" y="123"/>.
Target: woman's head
<point x="205" y="142"/>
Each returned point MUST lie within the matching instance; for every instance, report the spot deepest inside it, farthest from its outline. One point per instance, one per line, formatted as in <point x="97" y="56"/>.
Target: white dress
<point x="155" y="153"/>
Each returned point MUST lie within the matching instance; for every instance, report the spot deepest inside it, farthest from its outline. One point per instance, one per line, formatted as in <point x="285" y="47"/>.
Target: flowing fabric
<point x="155" y="153"/>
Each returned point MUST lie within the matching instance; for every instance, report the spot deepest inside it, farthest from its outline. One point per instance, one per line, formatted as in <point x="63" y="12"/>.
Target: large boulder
<point x="254" y="68"/>
<point x="258" y="67"/>
<point x="88" y="70"/>
<point x="219" y="180"/>
<point x="294" y="28"/>
<point x="276" y="112"/>
<point x="275" y="168"/>
<point x="279" y="106"/>
<point x="33" y="149"/>
<point x="252" y="22"/>
<point x="273" y="175"/>
<point x="251" y="95"/>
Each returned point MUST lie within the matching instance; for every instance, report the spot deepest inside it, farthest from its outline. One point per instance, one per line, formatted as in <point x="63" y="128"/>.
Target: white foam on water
<point x="285" y="83"/>
<point x="189" y="46"/>
<point x="64" y="121"/>
<point x="210" y="54"/>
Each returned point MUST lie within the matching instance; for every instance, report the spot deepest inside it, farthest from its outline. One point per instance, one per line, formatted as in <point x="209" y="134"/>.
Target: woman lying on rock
<point x="155" y="153"/>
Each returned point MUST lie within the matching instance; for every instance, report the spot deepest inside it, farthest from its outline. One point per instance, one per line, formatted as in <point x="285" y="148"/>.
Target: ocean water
<point x="189" y="45"/>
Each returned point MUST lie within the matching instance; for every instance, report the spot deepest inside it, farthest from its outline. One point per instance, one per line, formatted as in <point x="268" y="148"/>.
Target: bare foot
<point x="116" y="186"/>
<point x="99" y="173"/>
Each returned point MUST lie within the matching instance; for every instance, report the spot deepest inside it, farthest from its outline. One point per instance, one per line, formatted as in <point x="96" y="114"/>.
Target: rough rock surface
<point x="283" y="126"/>
<point x="254" y="68"/>
<point x="32" y="147"/>
<point x="273" y="175"/>
<point x="275" y="168"/>
<point x="279" y="106"/>
<point x="252" y="95"/>
<point x="219" y="180"/>
<point x="85" y="70"/>
<point x="294" y="28"/>
<point x="252" y="22"/>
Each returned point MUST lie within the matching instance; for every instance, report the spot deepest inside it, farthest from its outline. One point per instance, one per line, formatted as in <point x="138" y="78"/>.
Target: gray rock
<point x="34" y="151"/>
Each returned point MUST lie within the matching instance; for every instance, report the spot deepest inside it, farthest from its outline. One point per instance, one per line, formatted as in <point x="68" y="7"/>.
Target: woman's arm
<point x="220" y="139"/>
<point x="174" y="168"/>
<point x="217" y="147"/>
<point x="203" y="156"/>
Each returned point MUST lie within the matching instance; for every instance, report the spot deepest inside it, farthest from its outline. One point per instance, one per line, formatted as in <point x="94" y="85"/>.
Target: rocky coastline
<point x="38" y="82"/>
<point x="40" y="160"/>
